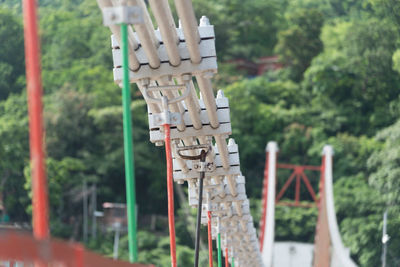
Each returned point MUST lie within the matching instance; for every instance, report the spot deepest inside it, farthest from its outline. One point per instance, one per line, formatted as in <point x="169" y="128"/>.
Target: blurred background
<point x="301" y="72"/>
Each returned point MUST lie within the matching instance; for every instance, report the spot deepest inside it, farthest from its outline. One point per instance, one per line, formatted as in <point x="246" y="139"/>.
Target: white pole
<point x="268" y="246"/>
<point x="385" y="239"/>
<point x="116" y="241"/>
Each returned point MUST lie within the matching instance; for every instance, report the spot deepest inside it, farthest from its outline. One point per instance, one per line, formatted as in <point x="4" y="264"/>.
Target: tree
<point x="384" y="165"/>
<point x="244" y="29"/>
<point x="11" y="54"/>
<point x="354" y="75"/>
<point x="14" y="154"/>
<point x="298" y="44"/>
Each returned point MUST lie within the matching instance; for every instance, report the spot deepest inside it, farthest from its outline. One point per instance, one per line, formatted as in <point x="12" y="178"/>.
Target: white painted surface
<point x="269" y="235"/>
<point x="340" y="255"/>
<point x="292" y="254"/>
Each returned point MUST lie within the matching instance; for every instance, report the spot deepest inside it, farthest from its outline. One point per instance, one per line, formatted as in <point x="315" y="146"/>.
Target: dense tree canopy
<point x="339" y="85"/>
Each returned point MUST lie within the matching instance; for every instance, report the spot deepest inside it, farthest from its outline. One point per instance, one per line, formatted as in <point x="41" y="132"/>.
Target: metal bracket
<point x="204" y="166"/>
<point x="198" y="166"/>
<point x="122" y="14"/>
<point x="158" y="119"/>
<point x="150" y="99"/>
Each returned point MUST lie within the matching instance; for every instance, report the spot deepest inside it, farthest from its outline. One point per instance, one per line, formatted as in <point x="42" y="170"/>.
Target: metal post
<point x="385" y="239"/>
<point x="35" y="109"/>
<point x="94" y="207"/>
<point x="128" y="148"/>
<point x="116" y="241"/>
<point x="85" y="212"/>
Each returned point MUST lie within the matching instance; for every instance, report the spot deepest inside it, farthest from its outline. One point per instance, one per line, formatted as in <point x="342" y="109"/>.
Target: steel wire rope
<point x="203" y="155"/>
<point x="170" y="193"/>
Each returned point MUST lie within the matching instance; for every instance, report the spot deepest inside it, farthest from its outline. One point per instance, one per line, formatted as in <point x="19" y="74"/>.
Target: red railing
<point x="18" y="246"/>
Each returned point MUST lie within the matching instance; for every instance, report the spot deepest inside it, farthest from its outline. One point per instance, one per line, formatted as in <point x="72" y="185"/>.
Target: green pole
<point x="219" y="250"/>
<point x="233" y="262"/>
<point x="128" y="149"/>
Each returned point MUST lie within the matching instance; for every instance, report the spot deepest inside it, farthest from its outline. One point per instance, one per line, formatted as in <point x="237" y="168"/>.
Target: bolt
<point x="204" y="21"/>
<point x="231" y="142"/>
<point x="220" y="94"/>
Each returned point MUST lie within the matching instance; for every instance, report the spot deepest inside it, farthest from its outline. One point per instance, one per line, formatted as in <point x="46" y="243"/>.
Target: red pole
<point x="226" y="257"/>
<point x="210" y="257"/>
<point x="297" y="193"/>
<point x="35" y="108"/>
<point x="170" y="194"/>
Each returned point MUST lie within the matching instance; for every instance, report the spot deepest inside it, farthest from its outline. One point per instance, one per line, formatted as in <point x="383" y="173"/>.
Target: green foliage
<point x="14" y="154"/>
<point x="396" y="61"/>
<point x="11" y="55"/>
<point x="384" y="164"/>
<point x="244" y="28"/>
<point x="295" y="222"/>
<point x="354" y="75"/>
<point x="298" y="44"/>
<point x="339" y="85"/>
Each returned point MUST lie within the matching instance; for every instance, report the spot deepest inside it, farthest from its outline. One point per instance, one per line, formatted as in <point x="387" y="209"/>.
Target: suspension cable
<point x="199" y="208"/>
<point x="170" y="192"/>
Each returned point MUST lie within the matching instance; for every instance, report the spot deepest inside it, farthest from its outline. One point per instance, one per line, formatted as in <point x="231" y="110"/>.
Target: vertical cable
<point x="199" y="209"/>
<point x="210" y="256"/>
<point x="219" y="248"/>
<point x="170" y="192"/>
<point x="128" y="149"/>
<point x="226" y="257"/>
<point x="35" y="110"/>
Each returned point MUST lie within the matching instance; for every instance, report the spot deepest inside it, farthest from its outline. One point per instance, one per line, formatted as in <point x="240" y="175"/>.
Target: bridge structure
<point x="173" y="68"/>
<point x="328" y="248"/>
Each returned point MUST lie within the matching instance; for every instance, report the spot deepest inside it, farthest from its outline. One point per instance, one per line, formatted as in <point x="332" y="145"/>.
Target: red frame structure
<point x="300" y="175"/>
